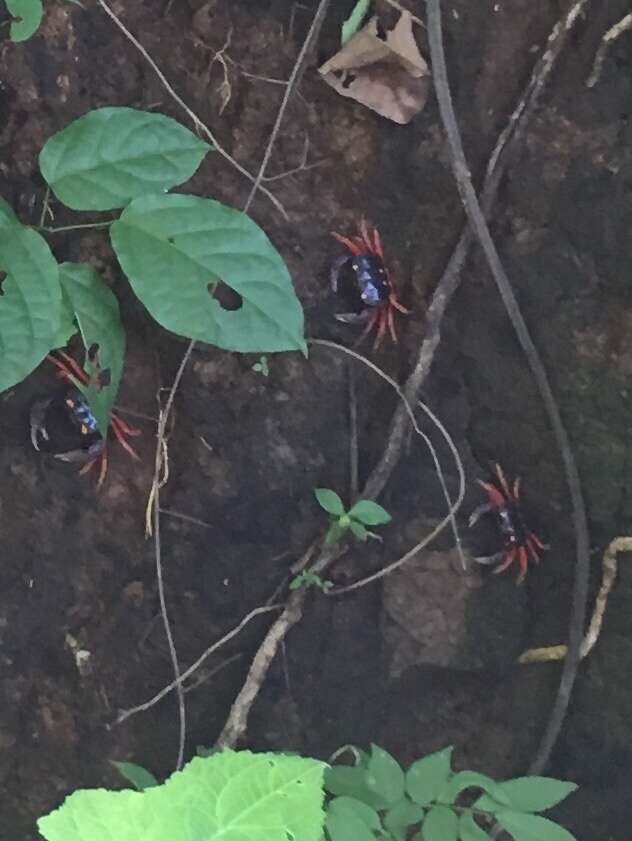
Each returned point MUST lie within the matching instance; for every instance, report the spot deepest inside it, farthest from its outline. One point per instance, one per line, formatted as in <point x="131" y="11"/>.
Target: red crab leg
<point x="516" y="488"/>
<point x="377" y="244"/>
<point x="391" y="323"/>
<point x="396" y="304"/>
<point x="369" y="326"/>
<point x="120" y="437"/>
<point x="381" y="327"/>
<point x="503" y="482"/>
<point x="68" y="368"/>
<point x="537" y="541"/>
<point x="531" y="546"/>
<point x="495" y="496"/>
<point x="510" y="557"/>
<point x="353" y="247"/>
<point x="366" y="239"/>
<point x="124" y="427"/>
<point x="524" y="564"/>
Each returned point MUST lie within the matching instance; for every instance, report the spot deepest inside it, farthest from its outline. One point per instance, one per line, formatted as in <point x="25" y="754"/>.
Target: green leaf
<point x="355" y="19"/>
<point x="235" y="796"/>
<point x="384" y="776"/>
<point x="532" y="827"/>
<point x="358" y="530"/>
<point x="346" y="826"/>
<point x="329" y="501"/>
<point x="527" y="794"/>
<point x="365" y="813"/>
<point x="426" y="778"/>
<point x="138" y="776"/>
<point x="28" y="16"/>
<point x="175" y="249"/>
<point x="110" y="156"/>
<point x="347" y="781"/>
<point x="30" y="303"/>
<point x="402" y="815"/>
<point x="7" y="216"/>
<point x="440" y="824"/>
<point x="370" y="513"/>
<point x="469" y="830"/>
<point x="96" y="311"/>
<point x="472" y="779"/>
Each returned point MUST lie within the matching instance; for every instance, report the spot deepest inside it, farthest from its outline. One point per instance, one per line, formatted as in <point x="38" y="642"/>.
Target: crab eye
<point x="354" y="266"/>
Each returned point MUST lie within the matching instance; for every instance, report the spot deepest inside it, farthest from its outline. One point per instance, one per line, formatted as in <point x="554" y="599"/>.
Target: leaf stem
<point x="81" y="226"/>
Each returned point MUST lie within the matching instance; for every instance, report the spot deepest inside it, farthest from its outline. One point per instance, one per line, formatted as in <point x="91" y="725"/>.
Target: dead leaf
<point x="382" y="69"/>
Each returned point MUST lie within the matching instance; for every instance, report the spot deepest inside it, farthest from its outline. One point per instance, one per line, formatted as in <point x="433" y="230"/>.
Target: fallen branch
<point x="125" y="714"/>
<point x="237" y="721"/>
<point x="479" y="225"/>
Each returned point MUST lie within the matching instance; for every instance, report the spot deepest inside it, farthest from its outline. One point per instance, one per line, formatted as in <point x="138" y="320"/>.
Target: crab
<point x="72" y="410"/>
<point x="366" y="287"/>
<point x="519" y="542"/>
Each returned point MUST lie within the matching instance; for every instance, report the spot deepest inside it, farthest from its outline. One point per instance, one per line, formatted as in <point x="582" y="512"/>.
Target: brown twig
<point x="478" y="223"/>
<point x="125" y="714"/>
<point x="293" y="82"/>
<point x="197" y="122"/>
<point x="611" y="35"/>
<point x="237" y="721"/>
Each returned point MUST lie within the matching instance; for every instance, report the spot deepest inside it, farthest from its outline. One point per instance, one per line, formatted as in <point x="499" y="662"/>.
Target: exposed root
<point x="611" y="35"/>
<point x="559" y="652"/>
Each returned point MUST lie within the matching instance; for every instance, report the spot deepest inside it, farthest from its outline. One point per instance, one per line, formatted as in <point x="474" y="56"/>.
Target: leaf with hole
<point x="370" y="513"/>
<point x="526" y="794"/>
<point x="329" y="501"/>
<point x="532" y="827"/>
<point x="110" y="156"/>
<point x="426" y="778"/>
<point x="30" y="302"/>
<point x="237" y="796"/>
<point x="27" y="16"/>
<point x="469" y="830"/>
<point x="96" y="311"/>
<point x="135" y="774"/>
<point x="177" y="249"/>
<point x="384" y="776"/>
<point x="355" y="20"/>
<point x="440" y="824"/>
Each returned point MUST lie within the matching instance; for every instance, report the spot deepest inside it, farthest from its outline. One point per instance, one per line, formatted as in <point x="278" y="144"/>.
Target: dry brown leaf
<point x="382" y="70"/>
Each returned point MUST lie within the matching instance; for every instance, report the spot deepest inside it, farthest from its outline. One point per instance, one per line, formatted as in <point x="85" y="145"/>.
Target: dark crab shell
<point x="64" y="426"/>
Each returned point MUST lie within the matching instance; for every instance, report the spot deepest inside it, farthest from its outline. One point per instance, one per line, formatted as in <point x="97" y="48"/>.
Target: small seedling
<point x="364" y="513"/>
<point x="307" y="578"/>
<point x="261" y="367"/>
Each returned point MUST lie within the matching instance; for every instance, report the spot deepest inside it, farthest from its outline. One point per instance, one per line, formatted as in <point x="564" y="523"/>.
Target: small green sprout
<point x="364" y="513"/>
<point x="261" y="367"/>
<point x="307" y="578"/>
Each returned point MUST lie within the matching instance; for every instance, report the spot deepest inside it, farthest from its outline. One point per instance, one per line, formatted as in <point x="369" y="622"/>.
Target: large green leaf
<point x="526" y="794"/>
<point x="440" y="824"/>
<point x="229" y="796"/>
<point x="175" y="249"/>
<point x="30" y="303"/>
<point x="96" y="311"/>
<point x="384" y="776"/>
<point x="110" y="156"/>
<point x="427" y="778"/>
<point x="28" y="16"/>
<point x="532" y="827"/>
